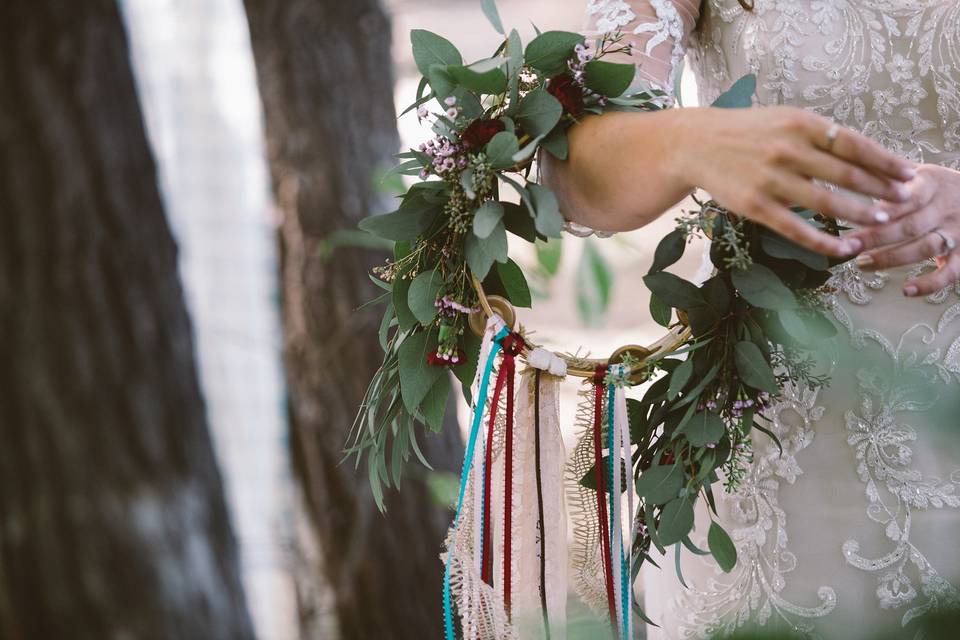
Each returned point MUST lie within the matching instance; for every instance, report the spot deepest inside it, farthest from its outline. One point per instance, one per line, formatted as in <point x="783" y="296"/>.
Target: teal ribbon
<point x="467" y="463"/>
<point x="613" y="446"/>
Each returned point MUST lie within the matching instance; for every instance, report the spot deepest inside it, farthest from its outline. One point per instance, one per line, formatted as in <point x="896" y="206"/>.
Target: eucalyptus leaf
<point x="753" y="367"/>
<point x="549" y="51"/>
<point x="481" y="254"/>
<point x="430" y="49"/>
<point x="400" y="225"/>
<point x="660" y="311"/>
<point x="519" y="222"/>
<point x="722" y="547"/>
<point x="761" y="287"/>
<point x="416" y="376"/>
<point x="556" y="144"/>
<point x="492" y="81"/>
<point x="501" y="149"/>
<point x="703" y="428"/>
<point x="609" y="79"/>
<point x="777" y="246"/>
<point x="660" y="483"/>
<point x="669" y="251"/>
<point x="740" y="95"/>
<point x="423" y="294"/>
<point x="405" y="318"/>
<point x="794" y="325"/>
<point x="676" y="520"/>
<point x="490" y="10"/>
<point x="538" y="113"/>
<point x="547" y="217"/>
<point x="679" y="379"/>
<point x="435" y="403"/>
<point x="486" y="218"/>
<point x="673" y="290"/>
<point x="514" y="283"/>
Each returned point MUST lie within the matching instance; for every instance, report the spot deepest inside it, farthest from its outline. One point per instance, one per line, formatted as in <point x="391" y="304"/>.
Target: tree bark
<point x="112" y="516"/>
<point x="324" y="71"/>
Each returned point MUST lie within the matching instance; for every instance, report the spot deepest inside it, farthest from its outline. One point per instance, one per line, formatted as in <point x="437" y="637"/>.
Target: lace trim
<point x="611" y="14"/>
<point x="668" y="27"/>
<point x="751" y="594"/>
<point x="895" y="489"/>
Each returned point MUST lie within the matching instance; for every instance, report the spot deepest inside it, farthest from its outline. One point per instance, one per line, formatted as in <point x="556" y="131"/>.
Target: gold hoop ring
<point x="579" y="367"/>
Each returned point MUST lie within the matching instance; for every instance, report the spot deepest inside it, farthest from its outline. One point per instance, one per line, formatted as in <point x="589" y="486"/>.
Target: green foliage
<point x="539" y="113"/>
<point x="514" y="284"/>
<point x="659" y="484"/>
<point x="722" y="547"/>
<point x="549" y="51"/>
<point x="608" y="78"/>
<point x="481" y="254"/>
<point x="424" y="290"/>
<point x="487" y="217"/>
<point x="430" y="49"/>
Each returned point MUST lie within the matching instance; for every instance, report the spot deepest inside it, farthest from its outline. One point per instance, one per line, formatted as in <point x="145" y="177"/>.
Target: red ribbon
<point x="512" y="346"/>
<point x="599" y="387"/>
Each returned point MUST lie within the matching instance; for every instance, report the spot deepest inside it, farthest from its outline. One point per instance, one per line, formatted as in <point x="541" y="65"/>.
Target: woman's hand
<point x="925" y="226"/>
<point x="759" y="162"/>
<point x="626" y="169"/>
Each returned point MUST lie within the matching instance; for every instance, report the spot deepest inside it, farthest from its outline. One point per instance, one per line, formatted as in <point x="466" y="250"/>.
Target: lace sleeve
<point x="657" y="29"/>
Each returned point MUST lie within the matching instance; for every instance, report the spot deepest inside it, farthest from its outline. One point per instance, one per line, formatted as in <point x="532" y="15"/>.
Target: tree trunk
<point x="324" y="70"/>
<point x="112" y="516"/>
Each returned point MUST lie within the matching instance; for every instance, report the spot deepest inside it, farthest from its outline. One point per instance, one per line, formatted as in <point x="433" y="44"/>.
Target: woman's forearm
<point x="621" y="172"/>
<point x="625" y="169"/>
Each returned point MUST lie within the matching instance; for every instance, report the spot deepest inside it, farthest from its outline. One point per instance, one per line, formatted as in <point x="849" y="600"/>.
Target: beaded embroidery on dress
<point x="883" y="551"/>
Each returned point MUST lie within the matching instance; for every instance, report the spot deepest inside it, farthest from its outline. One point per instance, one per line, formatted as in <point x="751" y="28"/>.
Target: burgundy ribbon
<point x="512" y="345"/>
<point x="599" y="386"/>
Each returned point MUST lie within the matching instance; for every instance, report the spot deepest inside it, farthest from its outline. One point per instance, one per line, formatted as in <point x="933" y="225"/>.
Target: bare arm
<point x="625" y="169"/>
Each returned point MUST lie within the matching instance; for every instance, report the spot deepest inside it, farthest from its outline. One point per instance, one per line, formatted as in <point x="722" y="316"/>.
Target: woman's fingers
<point x="910" y="252"/>
<point x="907" y="228"/>
<point x="806" y="193"/>
<point x="864" y="152"/>
<point x="946" y="274"/>
<point x="829" y="168"/>
<point x="788" y="224"/>
<point x="922" y="191"/>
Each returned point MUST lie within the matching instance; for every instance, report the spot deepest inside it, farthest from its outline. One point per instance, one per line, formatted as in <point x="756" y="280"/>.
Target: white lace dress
<point x="855" y="528"/>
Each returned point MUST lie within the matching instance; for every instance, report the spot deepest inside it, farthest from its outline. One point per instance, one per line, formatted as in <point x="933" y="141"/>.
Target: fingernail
<point x="881" y="216"/>
<point x="864" y="260"/>
<point x="910" y="291"/>
<point x="853" y="245"/>
<point x="908" y="173"/>
<point x="903" y="193"/>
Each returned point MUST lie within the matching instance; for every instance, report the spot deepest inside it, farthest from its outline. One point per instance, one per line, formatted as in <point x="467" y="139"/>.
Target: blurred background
<point x="180" y="182"/>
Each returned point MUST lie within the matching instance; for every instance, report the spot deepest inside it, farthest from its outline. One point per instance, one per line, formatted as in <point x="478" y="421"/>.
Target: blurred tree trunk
<point x="324" y="71"/>
<point x="112" y="516"/>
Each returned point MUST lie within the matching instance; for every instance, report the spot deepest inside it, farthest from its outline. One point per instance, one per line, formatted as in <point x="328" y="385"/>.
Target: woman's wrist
<point x="683" y="147"/>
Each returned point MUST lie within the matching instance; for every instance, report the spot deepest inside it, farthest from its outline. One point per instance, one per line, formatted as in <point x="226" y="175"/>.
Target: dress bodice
<point x="887" y="68"/>
<point x="852" y="524"/>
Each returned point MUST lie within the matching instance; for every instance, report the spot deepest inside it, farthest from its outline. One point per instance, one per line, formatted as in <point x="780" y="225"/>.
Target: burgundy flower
<point x="568" y="92"/>
<point x="479" y="133"/>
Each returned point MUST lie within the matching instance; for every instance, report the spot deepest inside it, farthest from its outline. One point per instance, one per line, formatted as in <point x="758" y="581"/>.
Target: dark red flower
<point x="479" y="133"/>
<point x="568" y="92"/>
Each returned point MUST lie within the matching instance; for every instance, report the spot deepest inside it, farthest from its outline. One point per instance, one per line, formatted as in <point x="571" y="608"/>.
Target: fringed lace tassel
<point x="478" y="609"/>
<point x="540" y="525"/>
